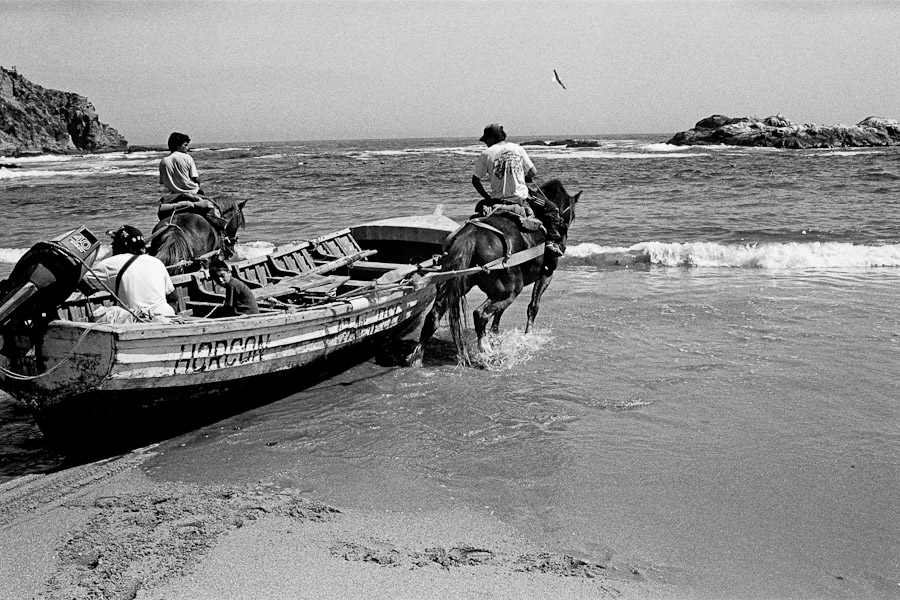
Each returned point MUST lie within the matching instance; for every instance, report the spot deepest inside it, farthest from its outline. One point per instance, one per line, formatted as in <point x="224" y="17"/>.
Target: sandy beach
<point x="112" y="529"/>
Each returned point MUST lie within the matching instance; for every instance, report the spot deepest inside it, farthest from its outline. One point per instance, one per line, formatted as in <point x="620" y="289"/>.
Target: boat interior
<point x="332" y="267"/>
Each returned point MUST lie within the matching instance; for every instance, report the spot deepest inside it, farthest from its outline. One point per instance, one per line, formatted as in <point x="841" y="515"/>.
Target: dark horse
<point x="473" y="246"/>
<point x="185" y="236"/>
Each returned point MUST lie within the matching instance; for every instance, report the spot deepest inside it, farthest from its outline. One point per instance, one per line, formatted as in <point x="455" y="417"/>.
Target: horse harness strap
<point x="124" y="268"/>
<point x="167" y="225"/>
<point x="503" y="239"/>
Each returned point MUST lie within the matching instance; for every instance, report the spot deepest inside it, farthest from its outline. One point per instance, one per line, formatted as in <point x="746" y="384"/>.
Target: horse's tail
<point x="451" y="294"/>
<point x="171" y="246"/>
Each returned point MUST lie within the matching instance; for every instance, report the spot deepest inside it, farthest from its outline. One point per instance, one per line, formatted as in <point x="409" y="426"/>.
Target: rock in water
<point x="36" y="120"/>
<point x="779" y="132"/>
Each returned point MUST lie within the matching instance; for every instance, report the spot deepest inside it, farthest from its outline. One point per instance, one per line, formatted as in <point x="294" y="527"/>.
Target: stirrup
<point x="553" y="248"/>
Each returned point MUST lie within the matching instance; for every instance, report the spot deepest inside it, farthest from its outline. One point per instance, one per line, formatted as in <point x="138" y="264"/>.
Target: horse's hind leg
<point x="540" y="286"/>
<point x="495" y="324"/>
<point x="429" y="326"/>
<point x="431" y="323"/>
<point x="489" y="309"/>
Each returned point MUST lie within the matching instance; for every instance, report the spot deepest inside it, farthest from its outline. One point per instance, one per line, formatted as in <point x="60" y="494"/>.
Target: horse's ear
<point x="241" y="204"/>
<point x="576" y="197"/>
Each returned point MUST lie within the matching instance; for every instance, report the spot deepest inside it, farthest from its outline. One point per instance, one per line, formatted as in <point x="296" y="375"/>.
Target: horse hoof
<point x="398" y="354"/>
<point x="414" y="359"/>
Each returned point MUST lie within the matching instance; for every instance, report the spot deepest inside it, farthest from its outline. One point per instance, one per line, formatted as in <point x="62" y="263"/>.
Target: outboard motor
<point x="46" y="275"/>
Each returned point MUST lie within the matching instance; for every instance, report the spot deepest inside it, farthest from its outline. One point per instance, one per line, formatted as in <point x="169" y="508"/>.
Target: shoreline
<point x="112" y="529"/>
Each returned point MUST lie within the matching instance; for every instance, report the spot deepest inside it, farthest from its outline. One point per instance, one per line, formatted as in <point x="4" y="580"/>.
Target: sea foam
<point x="791" y="255"/>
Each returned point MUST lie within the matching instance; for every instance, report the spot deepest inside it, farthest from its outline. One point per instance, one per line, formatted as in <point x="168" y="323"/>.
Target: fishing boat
<point x="325" y="304"/>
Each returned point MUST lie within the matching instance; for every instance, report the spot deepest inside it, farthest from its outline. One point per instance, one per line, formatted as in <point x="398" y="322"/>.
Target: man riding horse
<point x="510" y="172"/>
<point x="178" y="173"/>
<point x="191" y="225"/>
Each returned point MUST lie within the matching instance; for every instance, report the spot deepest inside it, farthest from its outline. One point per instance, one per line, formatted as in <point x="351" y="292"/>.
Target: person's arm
<point x="479" y="187"/>
<point x="194" y="173"/>
<point x="530" y="171"/>
<point x="171" y="296"/>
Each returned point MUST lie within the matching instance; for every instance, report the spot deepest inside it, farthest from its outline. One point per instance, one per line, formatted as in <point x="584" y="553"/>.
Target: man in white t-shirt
<point x="508" y="168"/>
<point x="178" y="173"/>
<point x="139" y="280"/>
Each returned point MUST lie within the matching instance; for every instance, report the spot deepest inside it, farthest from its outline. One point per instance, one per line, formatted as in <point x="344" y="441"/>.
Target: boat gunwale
<point x="371" y="299"/>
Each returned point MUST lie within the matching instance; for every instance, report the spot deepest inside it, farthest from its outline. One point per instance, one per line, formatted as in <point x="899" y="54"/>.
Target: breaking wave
<point x="816" y="255"/>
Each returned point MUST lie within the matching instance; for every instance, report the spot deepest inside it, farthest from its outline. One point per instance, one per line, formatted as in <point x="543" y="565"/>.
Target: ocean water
<point x="719" y="412"/>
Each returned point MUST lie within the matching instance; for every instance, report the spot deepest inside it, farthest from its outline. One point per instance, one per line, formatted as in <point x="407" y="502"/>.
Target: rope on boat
<point x="20" y="377"/>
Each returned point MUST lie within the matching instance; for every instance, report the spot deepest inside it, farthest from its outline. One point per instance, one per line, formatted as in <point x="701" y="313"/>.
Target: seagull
<point x="556" y="78"/>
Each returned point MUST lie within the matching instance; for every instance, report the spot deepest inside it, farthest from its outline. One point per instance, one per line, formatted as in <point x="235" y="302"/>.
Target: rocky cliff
<point x="778" y="132"/>
<point x="37" y="120"/>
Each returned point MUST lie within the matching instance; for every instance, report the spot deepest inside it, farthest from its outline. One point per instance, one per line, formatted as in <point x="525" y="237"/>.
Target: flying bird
<point x="556" y="78"/>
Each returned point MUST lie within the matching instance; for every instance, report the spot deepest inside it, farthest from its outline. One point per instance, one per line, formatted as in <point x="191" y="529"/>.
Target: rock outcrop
<point x="567" y="143"/>
<point x="778" y="132"/>
<point x="35" y="120"/>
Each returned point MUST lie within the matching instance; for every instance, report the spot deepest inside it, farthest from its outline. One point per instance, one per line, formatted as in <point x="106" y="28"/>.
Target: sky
<point x="267" y="70"/>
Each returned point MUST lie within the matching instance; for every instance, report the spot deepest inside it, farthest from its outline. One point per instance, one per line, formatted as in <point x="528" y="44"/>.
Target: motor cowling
<point x="46" y="275"/>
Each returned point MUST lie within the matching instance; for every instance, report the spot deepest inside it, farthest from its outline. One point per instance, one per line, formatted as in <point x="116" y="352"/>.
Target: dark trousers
<point x="548" y="214"/>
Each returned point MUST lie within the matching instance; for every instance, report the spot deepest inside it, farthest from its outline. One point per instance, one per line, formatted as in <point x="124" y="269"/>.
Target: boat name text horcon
<point x="220" y="354"/>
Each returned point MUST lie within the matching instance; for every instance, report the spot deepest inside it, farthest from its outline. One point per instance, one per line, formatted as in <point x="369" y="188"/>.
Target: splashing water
<point x="510" y="348"/>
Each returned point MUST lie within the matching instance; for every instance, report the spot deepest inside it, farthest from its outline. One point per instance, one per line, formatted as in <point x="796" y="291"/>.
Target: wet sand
<point x="107" y="529"/>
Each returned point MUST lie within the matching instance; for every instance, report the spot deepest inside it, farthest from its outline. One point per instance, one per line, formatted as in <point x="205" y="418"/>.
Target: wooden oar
<point x="404" y="271"/>
<point x="515" y="259"/>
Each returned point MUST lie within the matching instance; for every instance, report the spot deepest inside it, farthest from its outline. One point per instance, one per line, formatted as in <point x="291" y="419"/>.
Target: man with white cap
<point x="509" y="170"/>
<point x="139" y="280"/>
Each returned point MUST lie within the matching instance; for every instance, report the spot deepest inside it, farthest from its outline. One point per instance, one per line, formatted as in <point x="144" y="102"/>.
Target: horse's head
<point x="233" y="212"/>
<point x="555" y="191"/>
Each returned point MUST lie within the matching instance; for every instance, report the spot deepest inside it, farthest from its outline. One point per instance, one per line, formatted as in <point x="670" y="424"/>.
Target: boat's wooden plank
<point x="255" y="273"/>
<point x="297" y="261"/>
<point x="347" y="244"/>
<point x="329" y="248"/>
<point x="278" y="272"/>
<point x="330" y="236"/>
<point x="329" y="287"/>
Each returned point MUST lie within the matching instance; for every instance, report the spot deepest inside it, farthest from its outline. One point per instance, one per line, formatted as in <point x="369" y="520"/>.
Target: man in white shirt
<point x="139" y="280"/>
<point x="508" y="168"/>
<point x="178" y="173"/>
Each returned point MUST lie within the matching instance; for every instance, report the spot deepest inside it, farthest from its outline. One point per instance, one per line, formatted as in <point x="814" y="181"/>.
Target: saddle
<point x="523" y="216"/>
<point x="212" y="215"/>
